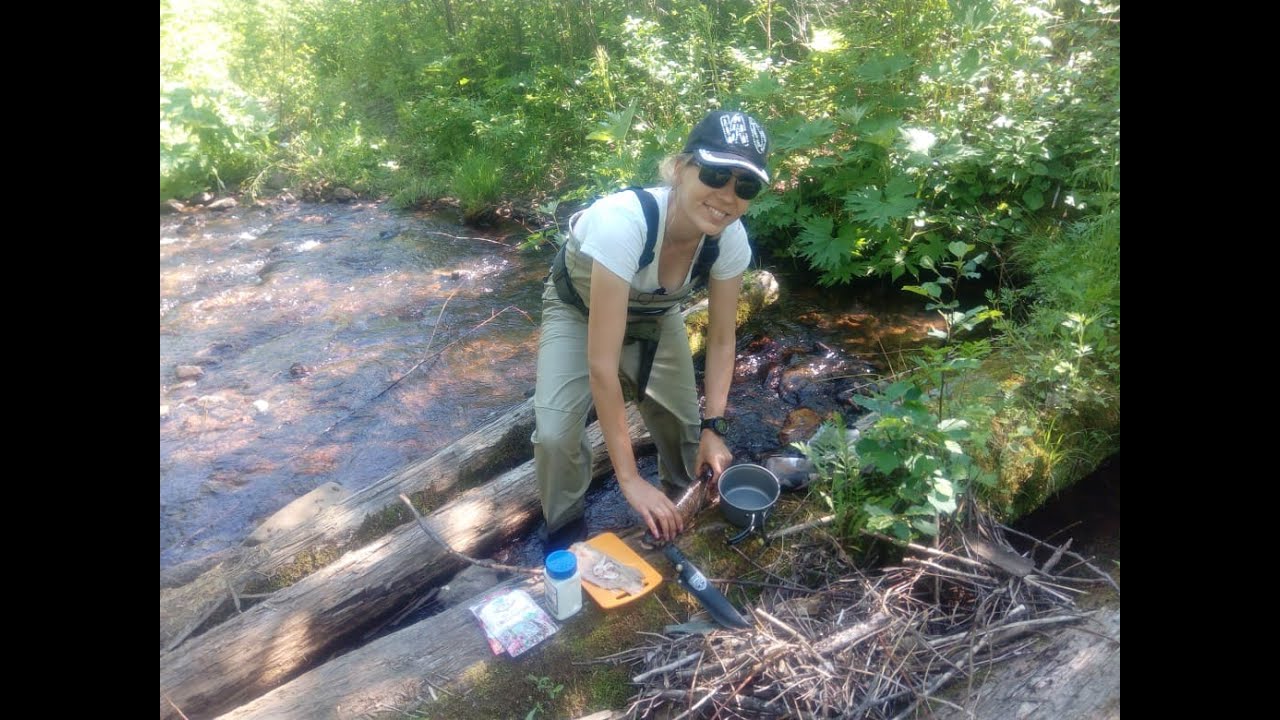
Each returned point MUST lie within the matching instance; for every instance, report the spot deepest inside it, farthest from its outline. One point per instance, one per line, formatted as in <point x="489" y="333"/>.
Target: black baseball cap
<point x="730" y="139"/>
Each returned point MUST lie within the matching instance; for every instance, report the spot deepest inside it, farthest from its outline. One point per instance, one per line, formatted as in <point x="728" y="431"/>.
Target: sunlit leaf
<point x="878" y="208"/>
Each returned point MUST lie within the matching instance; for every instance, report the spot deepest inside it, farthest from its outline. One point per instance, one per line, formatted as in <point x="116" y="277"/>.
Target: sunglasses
<point x="746" y="186"/>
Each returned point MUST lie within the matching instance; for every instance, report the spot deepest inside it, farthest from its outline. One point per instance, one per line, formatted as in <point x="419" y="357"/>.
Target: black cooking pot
<point x="747" y="496"/>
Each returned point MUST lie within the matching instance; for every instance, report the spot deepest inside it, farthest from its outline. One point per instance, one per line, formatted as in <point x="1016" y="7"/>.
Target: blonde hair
<point x="671" y="165"/>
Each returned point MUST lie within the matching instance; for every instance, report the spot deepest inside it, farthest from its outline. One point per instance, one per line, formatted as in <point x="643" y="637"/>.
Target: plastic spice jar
<point x="562" y="585"/>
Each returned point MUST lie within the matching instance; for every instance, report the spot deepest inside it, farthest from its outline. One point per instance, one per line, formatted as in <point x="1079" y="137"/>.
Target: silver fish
<point x="604" y="571"/>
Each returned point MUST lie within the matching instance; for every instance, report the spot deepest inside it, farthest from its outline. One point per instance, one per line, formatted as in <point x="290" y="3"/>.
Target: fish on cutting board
<point x="606" y="572"/>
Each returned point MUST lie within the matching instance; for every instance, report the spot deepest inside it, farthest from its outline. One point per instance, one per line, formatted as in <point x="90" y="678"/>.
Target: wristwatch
<point x="717" y="425"/>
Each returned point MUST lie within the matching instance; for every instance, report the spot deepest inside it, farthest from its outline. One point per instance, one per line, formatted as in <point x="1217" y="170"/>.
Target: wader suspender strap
<point x="700" y="275"/>
<point x="560" y="274"/>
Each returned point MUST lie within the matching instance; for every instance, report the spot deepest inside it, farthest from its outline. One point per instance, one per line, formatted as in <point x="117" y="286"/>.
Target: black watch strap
<point x="717" y="425"/>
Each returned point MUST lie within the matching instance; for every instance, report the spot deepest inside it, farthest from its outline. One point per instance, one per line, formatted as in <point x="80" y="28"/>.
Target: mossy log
<point x="499" y="445"/>
<point x="394" y="671"/>
<point x="283" y="636"/>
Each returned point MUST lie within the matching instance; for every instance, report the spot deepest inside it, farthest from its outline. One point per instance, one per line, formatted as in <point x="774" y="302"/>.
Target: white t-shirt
<point x="612" y="232"/>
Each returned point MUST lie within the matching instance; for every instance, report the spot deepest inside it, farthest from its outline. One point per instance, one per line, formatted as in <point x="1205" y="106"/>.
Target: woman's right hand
<point x="655" y="508"/>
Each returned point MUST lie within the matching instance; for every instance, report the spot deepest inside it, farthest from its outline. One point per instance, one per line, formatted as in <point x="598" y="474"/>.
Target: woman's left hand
<point x="712" y="453"/>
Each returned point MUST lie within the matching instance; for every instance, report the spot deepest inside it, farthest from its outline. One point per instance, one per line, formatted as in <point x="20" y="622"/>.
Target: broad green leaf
<point x="880" y="523"/>
<point x="804" y="136"/>
<point x="959" y="248"/>
<point x="763" y="203"/>
<point x="1033" y="198"/>
<point x="929" y="290"/>
<point x="954" y="447"/>
<point x="943" y="503"/>
<point x="953" y="424"/>
<point x="852" y="115"/>
<point x="823" y="250"/>
<point x="928" y="527"/>
<point x="901" y="531"/>
<point x="881" y="130"/>
<point x="881" y="69"/>
<point x="871" y="206"/>
<point x="885" y="461"/>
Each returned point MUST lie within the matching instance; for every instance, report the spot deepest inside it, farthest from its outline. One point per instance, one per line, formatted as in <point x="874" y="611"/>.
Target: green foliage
<point x="918" y="458"/>
<point x="477" y="182"/>
<point x="547" y="687"/>
<point x="208" y="139"/>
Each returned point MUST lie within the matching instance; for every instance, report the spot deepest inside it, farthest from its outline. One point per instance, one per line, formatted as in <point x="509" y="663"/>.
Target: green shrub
<point x="477" y="182"/>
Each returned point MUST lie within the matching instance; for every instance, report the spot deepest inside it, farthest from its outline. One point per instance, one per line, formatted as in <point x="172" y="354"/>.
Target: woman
<point x="610" y="315"/>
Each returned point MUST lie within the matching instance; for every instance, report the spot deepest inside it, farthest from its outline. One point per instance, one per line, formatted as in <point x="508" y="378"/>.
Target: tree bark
<point x="391" y="672"/>
<point x="1076" y="676"/>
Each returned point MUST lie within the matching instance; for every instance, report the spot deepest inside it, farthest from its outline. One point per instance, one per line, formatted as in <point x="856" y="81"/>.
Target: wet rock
<point x="226" y="203"/>
<point x="344" y="195"/>
<point x="795" y="378"/>
<point x="801" y="424"/>
<point x="203" y="198"/>
<point x="172" y="206"/>
<point x="189" y="226"/>
<point x="188" y="372"/>
<point x="298" y="370"/>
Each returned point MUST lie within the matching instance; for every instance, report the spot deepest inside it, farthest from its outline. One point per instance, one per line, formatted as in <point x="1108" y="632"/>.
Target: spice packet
<point x="512" y="621"/>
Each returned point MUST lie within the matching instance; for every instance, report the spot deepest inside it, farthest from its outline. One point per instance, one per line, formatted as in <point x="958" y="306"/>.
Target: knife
<point x="691" y="578"/>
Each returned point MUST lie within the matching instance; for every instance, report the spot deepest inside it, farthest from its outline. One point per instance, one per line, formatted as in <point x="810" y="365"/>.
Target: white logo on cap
<point x="758" y="137"/>
<point x="734" y="128"/>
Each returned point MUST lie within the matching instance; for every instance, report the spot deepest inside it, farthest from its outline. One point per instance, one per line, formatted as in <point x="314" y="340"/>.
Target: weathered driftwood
<point x="398" y="671"/>
<point x="298" y="626"/>
<point x="499" y="445"/>
<point x="1074" y="676"/>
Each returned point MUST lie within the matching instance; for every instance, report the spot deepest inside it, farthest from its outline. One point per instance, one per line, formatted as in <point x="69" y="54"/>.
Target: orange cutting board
<point x="611" y="545"/>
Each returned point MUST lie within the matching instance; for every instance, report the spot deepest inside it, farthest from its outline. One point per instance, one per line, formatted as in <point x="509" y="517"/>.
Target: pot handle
<point x="745" y="533"/>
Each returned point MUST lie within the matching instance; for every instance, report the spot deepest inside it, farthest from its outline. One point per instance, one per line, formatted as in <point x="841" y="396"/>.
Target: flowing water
<point x="335" y="343"/>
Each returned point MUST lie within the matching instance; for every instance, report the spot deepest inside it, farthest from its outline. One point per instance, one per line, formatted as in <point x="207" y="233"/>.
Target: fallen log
<point x="1075" y="675"/>
<point x="501" y="444"/>
<point x="301" y="625"/>
<point x="397" y="671"/>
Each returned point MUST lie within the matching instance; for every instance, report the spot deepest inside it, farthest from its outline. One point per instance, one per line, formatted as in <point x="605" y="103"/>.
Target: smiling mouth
<point x="718" y="215"/>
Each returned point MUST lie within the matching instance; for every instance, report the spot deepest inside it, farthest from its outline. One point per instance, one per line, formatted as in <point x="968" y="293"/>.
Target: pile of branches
<point x="831" y="641"/>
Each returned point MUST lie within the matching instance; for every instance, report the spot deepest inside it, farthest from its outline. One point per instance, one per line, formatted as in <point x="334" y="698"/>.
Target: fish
<point x="606" y="572"/>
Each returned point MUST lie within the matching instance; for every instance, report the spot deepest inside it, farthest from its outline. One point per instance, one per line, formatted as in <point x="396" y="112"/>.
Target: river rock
<point x="226" y="203"/>
<point x="344" y="195"/>
<point x="188" y="372"/>
<point x="801" y="424"/>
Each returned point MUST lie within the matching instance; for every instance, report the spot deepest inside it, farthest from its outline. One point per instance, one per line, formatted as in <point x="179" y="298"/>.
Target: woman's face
<point x="710" y="209"/>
